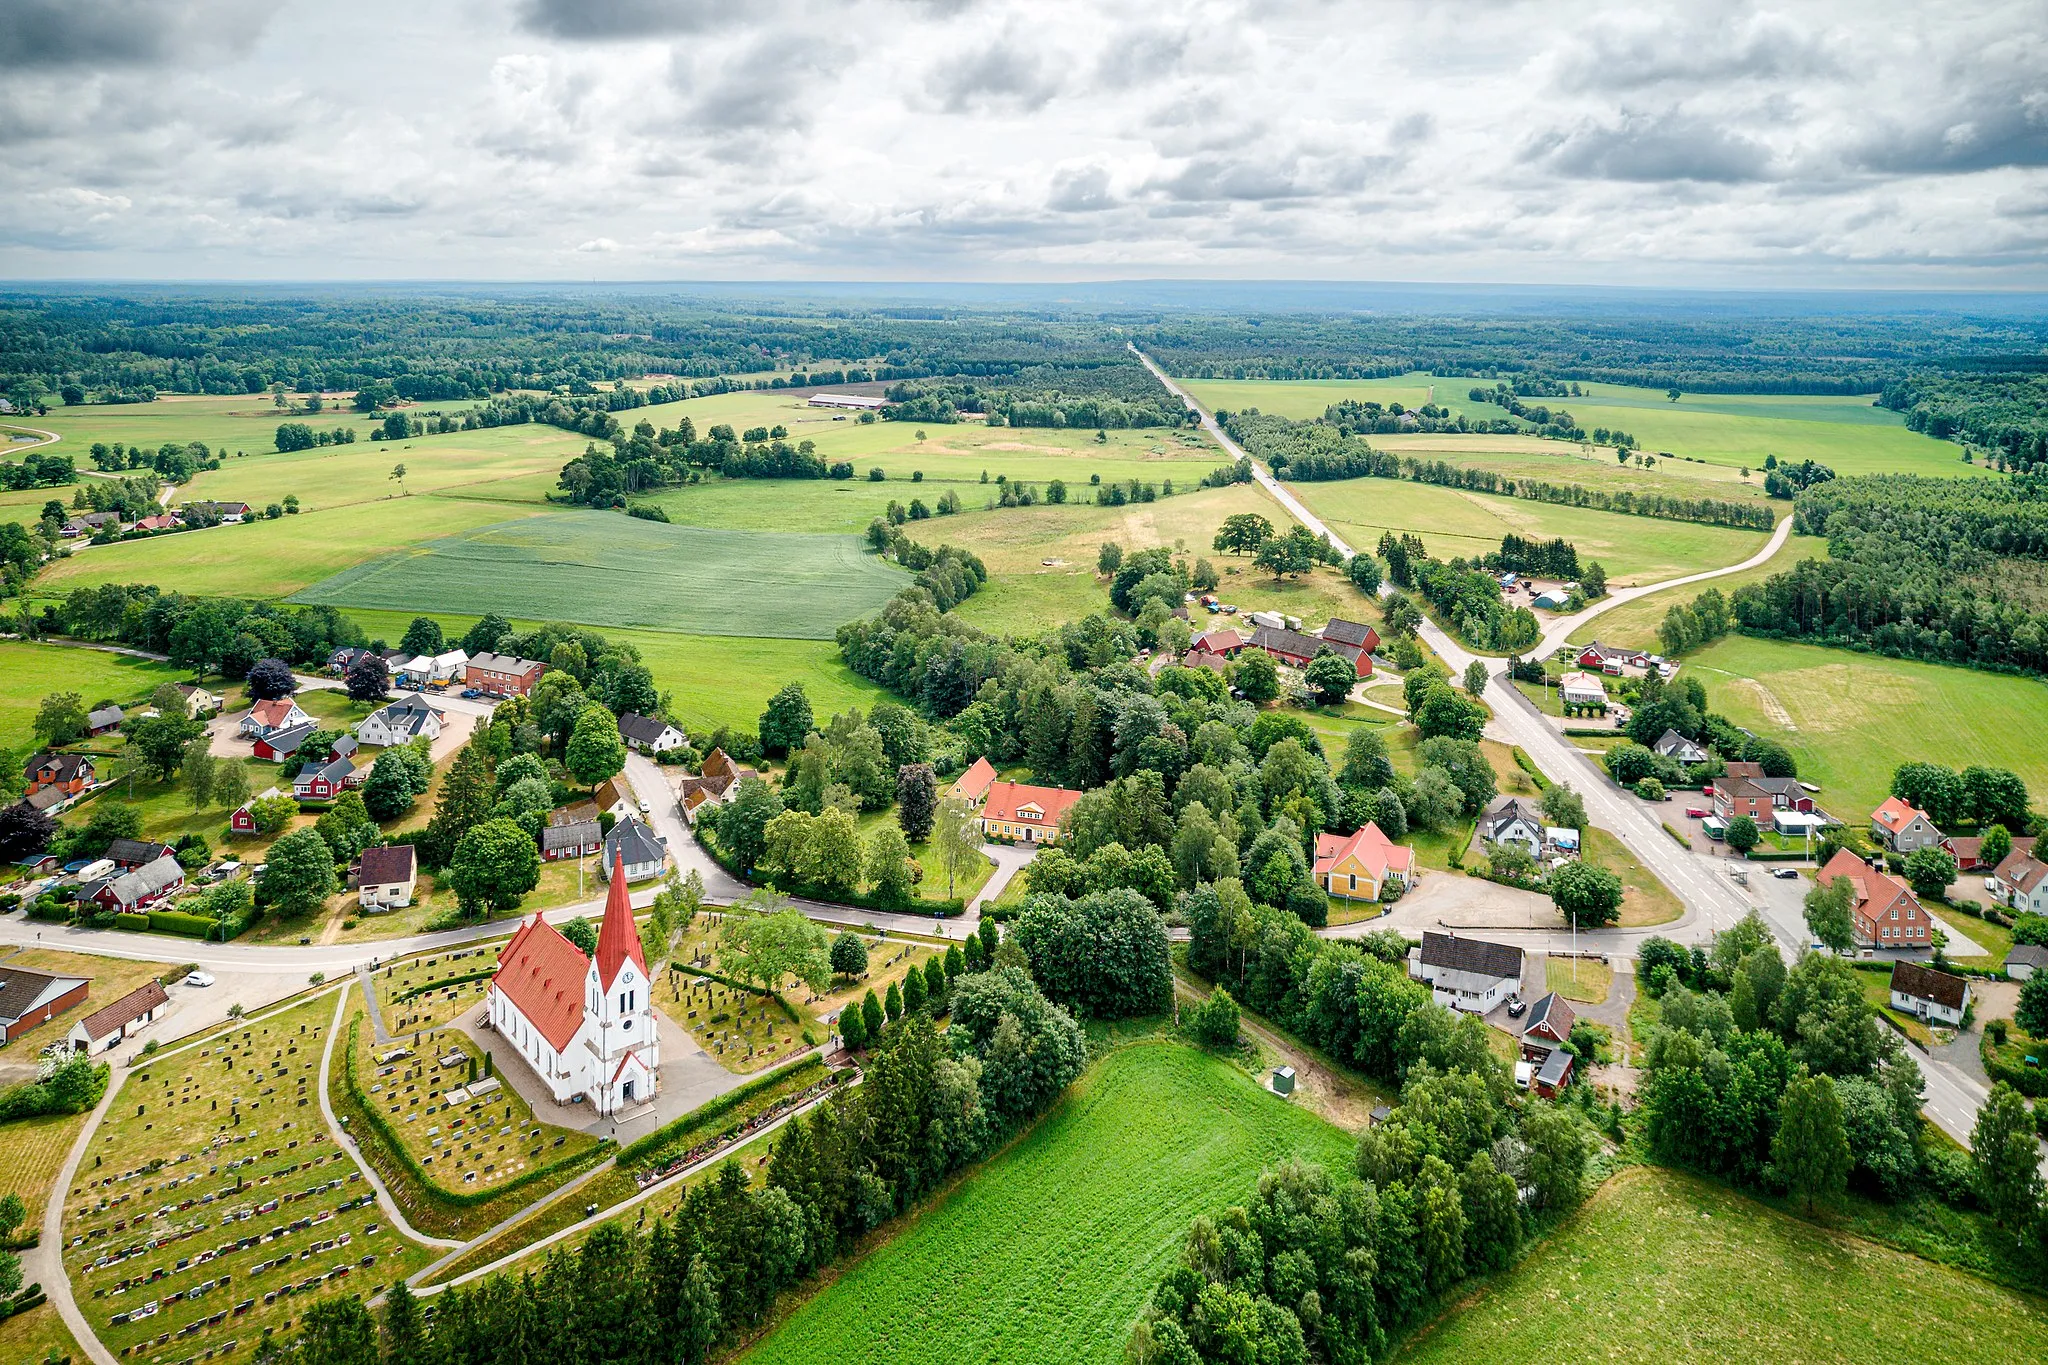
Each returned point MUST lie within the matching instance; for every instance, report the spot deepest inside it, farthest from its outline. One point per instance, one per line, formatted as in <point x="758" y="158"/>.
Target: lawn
<point x="609" y="570"/>
<point x="1578" y="979"/>
<point x="1634" y="623"/>
<point x="1665" y="1268"/>
<point x="1644" y="899"/>
<point x="1840" y="713"/>
<point x="30" y="672"/>
<point x="1454" y="522"/>
<point x="233" y="1120"/>
<point x="1049" y="1252"/>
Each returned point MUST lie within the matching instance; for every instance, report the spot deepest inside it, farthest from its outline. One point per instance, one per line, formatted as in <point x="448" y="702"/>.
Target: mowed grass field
<point x="1453" y="522"/>
<point x="30" y="672"/>
<point x="1049" y="1253"/>
<point x="1635" y="623"/>
<point x="1848" y="434"/>
<point x="1850" y="718"/>
<point x="605" y="569"/>
<point x="1661" y="1267"/>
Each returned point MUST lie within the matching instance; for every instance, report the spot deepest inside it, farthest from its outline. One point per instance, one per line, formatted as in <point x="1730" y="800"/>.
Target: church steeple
<point x="618" y="939"/>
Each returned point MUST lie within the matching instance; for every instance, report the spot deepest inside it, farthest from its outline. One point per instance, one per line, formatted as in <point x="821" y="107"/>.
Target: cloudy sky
<point x="1864" y="144"/>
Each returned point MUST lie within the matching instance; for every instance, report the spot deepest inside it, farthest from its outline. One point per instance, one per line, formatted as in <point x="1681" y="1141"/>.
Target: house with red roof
<point x="975" y="782"/>
<point x="584" y="1024"/>
<point x="1902" y="827"/>
<point x="1886" y="912"/>
<point x="1361" y="866"/>
<point x="1015" y="810"/>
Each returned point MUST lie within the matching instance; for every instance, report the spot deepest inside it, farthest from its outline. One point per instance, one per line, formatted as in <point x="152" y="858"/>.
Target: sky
<point x="1834" y="145"/>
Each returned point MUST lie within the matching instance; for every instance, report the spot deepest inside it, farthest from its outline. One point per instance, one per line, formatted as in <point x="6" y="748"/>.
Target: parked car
<point x="1785" y="874"/>
<point x="1695" y="813"/>
<point x="644" y="808"/>
<point x="200" y="979"/>
<point x="1516" y="1005"/>
<point x="472" y="692"/>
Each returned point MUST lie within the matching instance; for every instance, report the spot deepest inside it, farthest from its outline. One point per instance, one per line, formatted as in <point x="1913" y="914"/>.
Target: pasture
<point x="1662" y="1267"/>
<point x="1848" y="434"/>
<point x="1050" y="1251"/>
<point x="1454" y="522"/>
<point x="1634" y="623"/>
<point x="605" y="569"/>
<point x="1851" y="718"/>
<point x="30" y="672"/>
<point x="471" y="462"/>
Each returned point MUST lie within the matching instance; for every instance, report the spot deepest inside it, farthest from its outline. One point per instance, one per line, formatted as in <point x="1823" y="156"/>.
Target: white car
<point x="201" y="979"/>
<point x="1524" y="1073"/>
<point x="644" y="808"/>
<point x="1991" y="885"/>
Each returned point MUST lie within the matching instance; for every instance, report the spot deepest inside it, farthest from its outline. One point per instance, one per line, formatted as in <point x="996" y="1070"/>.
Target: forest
<point x="2003" y="406"/>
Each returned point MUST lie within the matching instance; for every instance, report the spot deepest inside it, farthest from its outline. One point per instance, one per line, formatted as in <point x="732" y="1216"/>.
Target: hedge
<point x="181" y="922"/>
<point x="1773" y="855"/>
<point x="2028" y="1080"/>
<point x="49" y="911"/>
<point x="428" y="986"/>
<point x="418" y="1173"/>
<point x="641" y="1149"/>
<point x="1528" y="765"/>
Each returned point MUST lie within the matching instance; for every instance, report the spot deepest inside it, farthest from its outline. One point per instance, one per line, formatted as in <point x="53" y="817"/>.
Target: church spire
<point x="618" y="939"/>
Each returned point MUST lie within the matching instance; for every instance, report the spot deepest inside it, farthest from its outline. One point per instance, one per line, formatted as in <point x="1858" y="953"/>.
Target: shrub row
<point x="644" y="1150"/>
<point x="858" y="900"/>
<point x="425" y="987"/>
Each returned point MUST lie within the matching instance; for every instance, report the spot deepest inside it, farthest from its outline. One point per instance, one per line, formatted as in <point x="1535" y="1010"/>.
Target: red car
<point x="1695" y="813"/>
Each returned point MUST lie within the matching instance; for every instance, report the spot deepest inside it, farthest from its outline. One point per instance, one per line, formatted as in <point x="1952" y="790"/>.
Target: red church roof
<point x="618" y="939"/>
<point x="542" y="973"/>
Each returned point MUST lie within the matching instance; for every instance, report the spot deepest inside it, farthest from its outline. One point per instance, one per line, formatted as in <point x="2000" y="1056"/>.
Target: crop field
<point x="1843" y="714"/>
<point x="609" y="570"/>
<point x="1050" y="1251"/>
<point x="1664" y="1268"/>
<point x="1455" y="522"/>
<point x="1635" y="623"/>
<point x="215" y="1204"/>
<point x="1849" y="435"/>
<point x="30" y="672"/>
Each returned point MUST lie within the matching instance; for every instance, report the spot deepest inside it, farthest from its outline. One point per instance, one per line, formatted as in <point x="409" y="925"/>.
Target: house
<point x="28" y="999"/>
<point x="228" y="513"/>
<point x="1927" y="994"/>
<point x="1886" y="912"/>
<point x="577" y="839"/>
<point x="1017" y="811"/>
<point x="108" y="1025"/>
<point x="127" y="853"/>
<point x="585" y="1025"/>
<point x="1744" y="790"/>
<point x="650" y="735"/>
<point x="1671" y="744"/>
<point x="68" y="774"/>
<point x="1800" y="824"/>
<point x="162" y="521"/>
<point x="200" y="702"/>
<point x="717" y="782"/>
<point x="1582" y="689"/>
<point x="846" y="400"/>
<point x="104" y="721"/>
<point x="1466" y="973"/>
<point x="1295" y="649"/>
<point x="2023" y="882"/>
<point x="267" y="717"/>
<point x="1554" y="1074"/>
<point x="386" y="877"/>
<point x="635" y="847"/>
<point x="2025" y="959"/>
<point x="1362" y="865"/>
<point x="340" y="660"/>
<point x="1902" y="827"/>
<point x="1223" y="642"/>
<point x="1969" y="851"/>
<point x="401" y="722"/>
<point x="138" y="888"/>
<point x="615" y="795"/>
<point x="243" y="819"/>
<point x="1355" y="634"/>
<point x="1607" y="658"/>
<point x="325" y="781"/>
<point x="973" y="784"/>
<point x="1549" y="1025"/>
<point x="433" y="671"/>
<point x="1509" y="821"/>
<point x="502" y="675"/>
<point x="280" y="746"/>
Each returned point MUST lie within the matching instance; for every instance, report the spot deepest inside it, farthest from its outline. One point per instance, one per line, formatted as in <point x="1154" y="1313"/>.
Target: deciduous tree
<point x="495" y="864"/>
<point x="1810" y="1151"/>
<point x="299" y="874"/>
<point x="1588" y="896"/>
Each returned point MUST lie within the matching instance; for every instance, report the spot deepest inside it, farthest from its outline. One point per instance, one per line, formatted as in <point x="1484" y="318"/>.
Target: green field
<point x="1664" y="1268"/>
<point x="1635" y="623"/>
<point x="29" y="672"/>
<point x="1049" y="1253"/>
<point x="1852" y="718"/>
<point x="1848" y="434"/>
<point x="609" y="570"/>
<point x="1453" y="522"/>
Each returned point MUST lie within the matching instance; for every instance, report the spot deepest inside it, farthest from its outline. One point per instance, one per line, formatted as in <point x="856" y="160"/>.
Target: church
<point x="585" y="1025"/>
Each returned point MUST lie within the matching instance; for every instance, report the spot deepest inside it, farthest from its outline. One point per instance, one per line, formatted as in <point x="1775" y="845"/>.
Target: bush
<point x="1950" y="1176"/>
<point x="179" y="922"/>
<point x="1214" y="1022"/>
<point x="1650" y="789"/>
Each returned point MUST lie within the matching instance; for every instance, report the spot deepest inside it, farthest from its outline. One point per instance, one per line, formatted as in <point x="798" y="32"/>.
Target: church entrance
<point x="629" y="1092"/>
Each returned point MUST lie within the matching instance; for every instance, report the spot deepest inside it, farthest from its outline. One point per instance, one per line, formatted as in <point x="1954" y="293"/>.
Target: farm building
<point x="1900" y="826"/>
<point x="108" y="1025"/>
<point x="1356" y="634"/>
<point x="127" y="853"/>
<point x="1295" y="649"/>
<point x="386" y="877"/>
<point x="227" y="513"/>
<point x="973" y="784"/>
<point x="30" y="998"/>
<point x="1554" y="1074"/>
<point x="1032" y="814"/>
<point x="851" y="401"/>
<point x="104" y="721"/>
<point x="585" y="1025"/>
<point x="401" y="722"/>
<point x="280" y="745"/>
<point x="637" y="848"/>
<point x="1467" y="974"/>
<point x="650" y="734"/>
<point x="1886" y="912"/>
<point x="1363" y="865"/>
<point x="1222" y="642"/>
<point x="502" y="675"/>
<point x="1928" y="994"/>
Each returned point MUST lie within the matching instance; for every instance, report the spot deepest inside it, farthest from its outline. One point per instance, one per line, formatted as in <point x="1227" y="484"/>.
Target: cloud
<point x="2003" y="125"/>
<point x="600" y="20"/>
<point x="103" y="34"/>
<point x="601" y="245"/>
<point x="1009" y="73"/>
<point x="1654" y="147"/>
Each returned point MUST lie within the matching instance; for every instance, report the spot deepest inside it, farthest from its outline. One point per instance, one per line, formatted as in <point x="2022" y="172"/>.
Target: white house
<point x="586" y="1026"/>
<point x="200" y="702"/>
<point x="650" y="734"/>
<point x="2023" y="882"/>
<point x="402" y="721"/>
<point x="438" y="668"/>
<point x="387" y="877"/>
<point x="1509" y="821"/>
<point x="1929" y="994"/>
<point x="269" y="717"/>
<point x="1467" y="974"/>
<point x="637" y="847"/>
<point x="106" y="1026"/>
<point x="1581" y="689"/>
<point x="1671" y="744"/>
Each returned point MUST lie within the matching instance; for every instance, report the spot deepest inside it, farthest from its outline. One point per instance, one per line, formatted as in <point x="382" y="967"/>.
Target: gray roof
<point x="2027" y="955"/>
<point x="581" y="834"/>
<point x="287" y="741"/>
<point x="646" y="729"/>
<point x="136" y="851"/>
<point x="1353" y="633"/>
<point x="1545" y="1008"/>
<point x="63" y="767"/>
<point x="1474" y="955"/>
<point x="635" y="841"/>
<point x="105" y="716"/>
<point x="21" y="990"/>
<point x="1671" y="742"/>
<point x="1507" y="812"/>
<point x="1554" y="1066"/>
<point x="1294" y="642"/>
<point x="408" y="714"/>
<point x="502" y="663"/>
<point x="336" y="769"/>
<point x="151" y="879"/>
